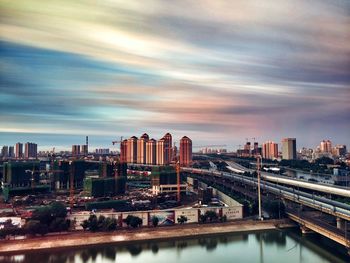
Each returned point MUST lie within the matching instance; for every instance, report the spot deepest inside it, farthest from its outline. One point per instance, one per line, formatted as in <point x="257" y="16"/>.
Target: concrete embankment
<point x="80" y="238"/>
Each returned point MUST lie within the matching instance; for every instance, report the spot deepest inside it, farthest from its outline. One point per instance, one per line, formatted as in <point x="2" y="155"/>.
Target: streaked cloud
<point x="216" y="70"/>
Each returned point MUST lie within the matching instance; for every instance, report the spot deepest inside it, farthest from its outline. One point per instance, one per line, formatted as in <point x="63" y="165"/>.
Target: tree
<point x="59" y="224"/>
<point x="58" y="209"/>
<point x="33" y="227"/>
<point x="324" y="160"/>
<point x="223" y="218"/>
<point x="93" y="223"/>
<point x="101" y="223"/>
<point x="135" y="221"/>
<point x="43" y="214"/>
<point x="203" y="218"/>
<point x="85" y="224"/>
<point x="211" y="215"/>
<point x="111" y="224"/>
<point x="182" y="219"/>
<point x="43" y="229"/>
<point x="127" y="220"/>
<point x="155" y="221"/>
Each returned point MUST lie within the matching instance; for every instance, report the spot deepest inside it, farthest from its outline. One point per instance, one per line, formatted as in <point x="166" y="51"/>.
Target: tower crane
<point x="177" y="169"/>
<point x="121" y="155"/>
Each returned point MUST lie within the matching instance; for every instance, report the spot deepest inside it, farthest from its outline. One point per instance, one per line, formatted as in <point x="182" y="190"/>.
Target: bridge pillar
<point x="305" y="230"/>
<point x="341" y="224"/>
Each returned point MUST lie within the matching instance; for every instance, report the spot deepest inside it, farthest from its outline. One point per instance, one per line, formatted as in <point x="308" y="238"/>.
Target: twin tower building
<point x="144" y="150"/>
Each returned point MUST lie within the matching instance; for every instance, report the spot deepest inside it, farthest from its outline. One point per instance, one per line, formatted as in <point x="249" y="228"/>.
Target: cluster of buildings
<point x="81" y="150"/>
<point x="30" y="151"/>
<point x="324" y="149"/>
<point x="144" y="150"/>
<point x="207" y="150"/>
<point x="269" y="150"/>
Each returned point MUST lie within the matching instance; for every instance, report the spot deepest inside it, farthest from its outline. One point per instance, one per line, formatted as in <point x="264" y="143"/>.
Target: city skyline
<point x="218" y="72"/>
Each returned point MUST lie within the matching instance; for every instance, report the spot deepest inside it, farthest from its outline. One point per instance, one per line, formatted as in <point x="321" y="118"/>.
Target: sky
<point x="216" y="71"/>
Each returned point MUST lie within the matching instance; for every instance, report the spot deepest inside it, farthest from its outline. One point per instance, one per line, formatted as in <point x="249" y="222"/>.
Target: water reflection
<point x="259" y="246"/>
<point x="277" y="237"/>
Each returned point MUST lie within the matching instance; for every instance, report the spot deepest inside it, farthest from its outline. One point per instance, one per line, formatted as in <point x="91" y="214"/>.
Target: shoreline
<point x="80" y="239"/>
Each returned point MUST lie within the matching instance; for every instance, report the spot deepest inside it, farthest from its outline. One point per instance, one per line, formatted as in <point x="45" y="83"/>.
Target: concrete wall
<point x="233" y="213"/>
<point x="191" y="214"/>
<point x="166" y="217"/>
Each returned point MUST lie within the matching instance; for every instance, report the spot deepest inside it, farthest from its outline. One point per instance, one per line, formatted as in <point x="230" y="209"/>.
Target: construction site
<point x="145" y="175"/>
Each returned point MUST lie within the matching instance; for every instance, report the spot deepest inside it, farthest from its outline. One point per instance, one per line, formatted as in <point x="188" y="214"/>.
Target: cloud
<point x="226" y="67"/>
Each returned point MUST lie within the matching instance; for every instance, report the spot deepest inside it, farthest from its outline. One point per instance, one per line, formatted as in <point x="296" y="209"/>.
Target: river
<point x="287" y="246"/>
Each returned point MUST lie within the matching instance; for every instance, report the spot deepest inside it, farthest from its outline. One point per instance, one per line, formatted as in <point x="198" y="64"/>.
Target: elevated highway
<point x="303" y="199"/>
<point x="324" y="188"/>
<point x="318" y="226"/>
<point x="323" y="204"/>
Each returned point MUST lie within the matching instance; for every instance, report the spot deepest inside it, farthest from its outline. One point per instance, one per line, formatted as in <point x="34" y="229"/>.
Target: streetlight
<point x="259" y="160"/>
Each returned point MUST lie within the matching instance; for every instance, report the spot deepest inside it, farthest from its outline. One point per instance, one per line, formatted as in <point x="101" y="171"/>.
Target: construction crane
<point x="121" y="140"/>
<point x="71" y="186"/>
<point x="121" y="156"/>
<point x="177" y="169"/>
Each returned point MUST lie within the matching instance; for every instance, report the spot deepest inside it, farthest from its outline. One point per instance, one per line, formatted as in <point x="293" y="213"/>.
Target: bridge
<point x="309" y="223"/>
<point x="290" y="196"/>
<point x="324" y="188"/>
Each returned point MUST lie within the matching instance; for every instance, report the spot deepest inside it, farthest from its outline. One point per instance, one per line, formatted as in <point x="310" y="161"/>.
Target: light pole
<point x="259" y="159"/>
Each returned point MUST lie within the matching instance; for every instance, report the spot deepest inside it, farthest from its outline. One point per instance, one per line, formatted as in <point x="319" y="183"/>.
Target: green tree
<point x="59" y="224"/>
<point x="135" y="222"/>
<point x="324" y="160"/>
<point x="43" y="229"/>
<point x="111" y="224"/>
<point x="101" y="223"/>
<point x="203" y="218"/>
<point x="33" y="227"/>
<point x="93" y="223"/>
<point x="58" y="209"/>
<point x="182" y="219"/>
<point x="155" y="221"/>
<point x="127" y="220"/>
<point x="223" y="218"/>
<point x="85" y="225"/>
<point x="211" y="215"/>
<point x="43" y="214"/>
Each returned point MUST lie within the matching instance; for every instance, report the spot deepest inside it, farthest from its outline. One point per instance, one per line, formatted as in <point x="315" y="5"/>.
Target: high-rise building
<point x="151" y="151"/>
<point x="141" y="148"/>
<point x="289" y="149"/>
<point x="326" y="146"/>
<point x="161" y="145"/>
<point x="11" y="152"/>
<point x="168" y="148"/>
<point x="256" y="150"/>
<point x="30" y="150"/>
<point x="5" y="151"/>
<point x="75" y="150"/>
<point x="339" y="150"/>
<point x="102" y="151"/>
<point x="84" y="150"/>
<point x="270" y="150"/>
<point x="131" y="150"/>
<point x="246" y="150"/>
<point x="19" y="150"/>
<point x="185" y="151"/>
<point x="123" y="151"/>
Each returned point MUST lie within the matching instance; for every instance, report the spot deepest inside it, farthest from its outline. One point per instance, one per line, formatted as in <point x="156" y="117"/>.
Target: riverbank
<point x="80" y="238"/>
